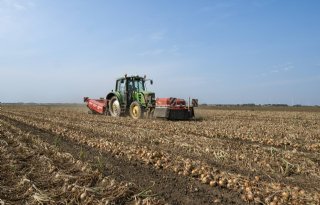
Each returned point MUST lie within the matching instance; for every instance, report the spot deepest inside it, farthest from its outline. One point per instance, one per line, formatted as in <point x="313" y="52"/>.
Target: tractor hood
<point x="147" y="93"/>
<point x="149" y="98"/>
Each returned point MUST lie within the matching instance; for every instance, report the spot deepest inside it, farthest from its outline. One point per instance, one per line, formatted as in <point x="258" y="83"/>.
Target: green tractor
<point x="131" y="97"/>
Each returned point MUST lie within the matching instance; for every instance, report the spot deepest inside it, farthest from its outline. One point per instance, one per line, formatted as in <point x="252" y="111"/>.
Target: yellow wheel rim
<point x="135" y="111"/>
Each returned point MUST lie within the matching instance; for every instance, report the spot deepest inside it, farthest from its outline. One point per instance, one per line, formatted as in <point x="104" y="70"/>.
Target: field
<point x="52" y="154"/>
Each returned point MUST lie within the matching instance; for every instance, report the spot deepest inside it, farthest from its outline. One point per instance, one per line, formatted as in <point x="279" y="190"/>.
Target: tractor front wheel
<point x="136" y="110"/>
<point x="114" y="107"/>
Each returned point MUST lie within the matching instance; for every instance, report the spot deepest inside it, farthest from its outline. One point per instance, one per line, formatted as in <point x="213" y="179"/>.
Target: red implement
<point x="96" y="105"/>
<point x="170" y="102"/>
<point x="173" y="109"/>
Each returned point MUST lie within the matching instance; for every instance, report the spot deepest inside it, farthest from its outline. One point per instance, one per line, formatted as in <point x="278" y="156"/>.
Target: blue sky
<point x="238" y="51"/>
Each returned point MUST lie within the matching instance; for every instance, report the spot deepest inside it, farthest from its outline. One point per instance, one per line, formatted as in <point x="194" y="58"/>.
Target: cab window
<point x="121" y="85"/>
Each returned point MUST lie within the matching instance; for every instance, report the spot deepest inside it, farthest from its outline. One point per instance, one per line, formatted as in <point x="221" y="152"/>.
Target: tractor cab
<point x="131" y="96"/>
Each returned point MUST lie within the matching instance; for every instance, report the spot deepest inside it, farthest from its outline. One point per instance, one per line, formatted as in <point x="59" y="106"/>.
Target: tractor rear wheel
<point x="136" y="110"/>
<point x="114" y="107"/>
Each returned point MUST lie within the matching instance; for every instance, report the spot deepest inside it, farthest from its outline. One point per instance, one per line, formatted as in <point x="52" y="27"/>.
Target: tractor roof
<point x="132" y="76"/>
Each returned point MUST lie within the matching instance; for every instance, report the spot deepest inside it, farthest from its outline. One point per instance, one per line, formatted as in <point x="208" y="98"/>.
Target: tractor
<point x="129" y="97"/>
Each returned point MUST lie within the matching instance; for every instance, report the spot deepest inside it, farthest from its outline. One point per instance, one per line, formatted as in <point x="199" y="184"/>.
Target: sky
<point x="219" y="51"/>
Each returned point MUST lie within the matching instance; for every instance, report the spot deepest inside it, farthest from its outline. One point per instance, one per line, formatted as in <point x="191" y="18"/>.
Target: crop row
<point x="301" y="133"/>
<point x="251" y="188"/>
<point x="269" y="161"/>
<point x="36" y="172"/>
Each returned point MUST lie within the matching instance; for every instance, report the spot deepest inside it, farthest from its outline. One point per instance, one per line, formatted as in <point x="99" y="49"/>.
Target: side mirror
<point x="151" y="82"/>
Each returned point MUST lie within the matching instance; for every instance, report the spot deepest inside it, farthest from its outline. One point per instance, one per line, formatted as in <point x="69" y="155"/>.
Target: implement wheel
<point x="135" y="110"/>
<point x="114" y="107"/>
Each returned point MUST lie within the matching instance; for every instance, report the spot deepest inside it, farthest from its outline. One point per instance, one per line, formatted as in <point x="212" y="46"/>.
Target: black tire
<point x="135" y="110"/>
<point x="114" y="107"/>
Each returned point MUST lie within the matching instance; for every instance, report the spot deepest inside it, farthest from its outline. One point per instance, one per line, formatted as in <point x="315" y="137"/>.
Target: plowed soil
<point x="62" y="155"/>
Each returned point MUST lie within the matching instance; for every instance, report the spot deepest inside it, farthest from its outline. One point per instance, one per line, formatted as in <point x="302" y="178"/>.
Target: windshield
<point x="136" y="84"/>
